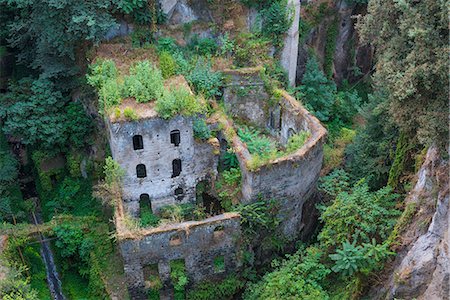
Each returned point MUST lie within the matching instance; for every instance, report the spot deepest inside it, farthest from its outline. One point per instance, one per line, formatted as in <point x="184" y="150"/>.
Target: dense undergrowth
<point x="378" y="128"/>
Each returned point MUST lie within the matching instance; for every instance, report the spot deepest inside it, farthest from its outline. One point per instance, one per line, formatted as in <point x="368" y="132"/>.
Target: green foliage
<point x="228" y="187"/>
<point x="148" y="219"/>
<point x="178" y="100"/>
<point x="15" y="287"/>
<point x="412" y="65"/>
<point x="276" y="20"/>
<point x="354" y="258"/>
<point x="145" y="82"/>
<point x="398" y="166"/>
<point x="101" y="72"/>
<point x="320" y="96"/>
<point x="130" y="114"/>
<point x="204" y="80"/>
<point x="167" y="64"/>
<point x="35" y="111"/>
<point x="257" y="144"/>
<point x="230" y="160"/>
<point x="227" y="45"/>
<point x="371" y="154"/>
<point x="113" y="172"/>
<point x="216" y="290"/>
<point x="334" y="149"/>
<point x="258" y="215"/>
<point x="301" y="276"/>
<point x="297" y="141"/>
<point x="330" y="47"/>
<point x="167" y="44"/>
<point x="201" y="129"/>
<point x="48" y="33"/>
<point x="78" y="125"/>
<point x="202" y="46"/>
<point x="317" y="92"/>
<point x="178" y="277"/>
<point x="357" y="214"/>
<point x="251" y="50"/>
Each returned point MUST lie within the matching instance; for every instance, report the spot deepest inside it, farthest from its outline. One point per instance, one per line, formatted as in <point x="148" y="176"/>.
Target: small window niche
<point x="141" y="172"/>
<point x="138" y="143"/>
<point x="179" y="193"/>
<point x="152" y="279"/>
<point x="145" y="205"/>
<point x="176" y="167"/>
<point x="219" y="232"/>
<point x="175" y="240"/>
<point x="175" y="137"/>
<point x="219" y="264"/>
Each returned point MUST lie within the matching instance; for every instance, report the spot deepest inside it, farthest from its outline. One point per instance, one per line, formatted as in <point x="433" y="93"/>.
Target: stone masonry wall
<point x="197" y="242"/>
<point x="198" y="160"/>
<point x="245" y="96"/>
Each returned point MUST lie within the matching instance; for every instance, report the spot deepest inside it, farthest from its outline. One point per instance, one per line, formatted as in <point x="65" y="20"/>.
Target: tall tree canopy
<point x="411" y="41"/>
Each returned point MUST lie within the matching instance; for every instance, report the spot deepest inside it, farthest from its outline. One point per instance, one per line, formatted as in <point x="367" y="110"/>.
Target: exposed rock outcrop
<point x="422" y="267"/>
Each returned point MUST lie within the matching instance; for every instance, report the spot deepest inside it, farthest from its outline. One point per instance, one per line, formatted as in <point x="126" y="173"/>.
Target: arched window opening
<point x="138" y="143"/>
<point x="145" y="205"/>
<point x="175" y="137"/>
<point x="291" y="133"/>
<point x="176" y="167"/>
<point x="141" y="172"/>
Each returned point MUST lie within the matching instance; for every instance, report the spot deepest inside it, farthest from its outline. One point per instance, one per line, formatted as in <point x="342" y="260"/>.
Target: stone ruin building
<point x="164" y="163"/>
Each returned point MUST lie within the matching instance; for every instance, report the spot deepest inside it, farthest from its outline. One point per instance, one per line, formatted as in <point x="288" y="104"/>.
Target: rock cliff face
<point x="422" y="267"/>
<point x="350" y="59"/>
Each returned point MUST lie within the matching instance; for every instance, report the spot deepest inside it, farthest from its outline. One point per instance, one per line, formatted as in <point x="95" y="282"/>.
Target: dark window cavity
<point x="138" y="143"/>
<point x="145" y="203"/>
<point x="178" y="191"/>
<point x="291" y="132"/>
<point x="176" y="167"/>
<point x="141" y="172"/>
<point x="175" y="137"/>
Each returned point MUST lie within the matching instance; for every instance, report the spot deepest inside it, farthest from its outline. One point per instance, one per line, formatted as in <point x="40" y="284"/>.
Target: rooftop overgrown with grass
<point x="145" y="84"/>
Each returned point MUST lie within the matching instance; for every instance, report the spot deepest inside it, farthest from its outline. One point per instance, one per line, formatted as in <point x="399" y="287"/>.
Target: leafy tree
<point x="317" y="91"/>
<point x="370" y="155"/>
<point x="411" y="38"/>
<point x="49" y="34"/>
<point x="38" y="113"/>
<point x="204" y="80"/>
<point x="358" y="214"/>
<point x="299" y="277"/>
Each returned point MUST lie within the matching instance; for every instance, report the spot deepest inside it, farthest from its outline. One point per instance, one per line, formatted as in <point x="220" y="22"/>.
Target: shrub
<point x="297" y="141"/>
<point x="100" y="72"/>
<point x="109" y="95"/>
<point x="130" y="114"/>
<point x="201" y="130"/>
<point x="203" y="46"/>
<point x="224" y="289"/>
<point x="145" y="82"/>
<point x="178" y="101"/>
<point x="167" y="64"/>
<point x="167" y="44"/>
<point x="276" y="21"/>
<point x="148" y="219"/>
<point x="251" y="50"/>
<point x="358" y="214"/>
<point x="204" y="80"/>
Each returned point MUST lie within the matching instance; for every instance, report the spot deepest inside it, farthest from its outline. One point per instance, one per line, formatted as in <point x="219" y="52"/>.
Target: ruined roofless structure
<point x="164" y="163"/>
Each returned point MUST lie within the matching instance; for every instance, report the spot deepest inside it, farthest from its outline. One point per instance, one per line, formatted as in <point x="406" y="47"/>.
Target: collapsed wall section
<point x="198" y="243"/>
<point x="162" y="160"/>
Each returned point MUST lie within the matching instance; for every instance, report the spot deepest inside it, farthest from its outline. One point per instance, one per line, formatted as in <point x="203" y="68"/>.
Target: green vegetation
<point x="179" y="101"/>
<point x="167" y="64"/>
<point x="330" y="47"/>
<point x="216" y="290"/>
<point x="179" y="278"/>
<point x="264" y="148"/>
<point x="145" y="82"/>
<point x="201" y="129"/>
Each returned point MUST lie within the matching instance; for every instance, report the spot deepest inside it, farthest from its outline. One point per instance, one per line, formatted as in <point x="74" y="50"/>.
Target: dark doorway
<point x="176" y="167"/>
<point x="175" y="137"/>
<point x="141" y="172"/>
<point x="145" y="204"/>
<point x="138" y="143"/>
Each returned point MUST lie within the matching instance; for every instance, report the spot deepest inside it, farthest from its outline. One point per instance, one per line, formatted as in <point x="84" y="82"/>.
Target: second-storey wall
<point x="198" y="161"/>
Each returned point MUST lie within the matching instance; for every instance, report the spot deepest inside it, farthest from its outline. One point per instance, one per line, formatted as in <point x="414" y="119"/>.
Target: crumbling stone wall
<point x="245" y="96"/>
<point x="291" y="179"/>
<point x="197" y="242"/>
<point x="198" y="160"/>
